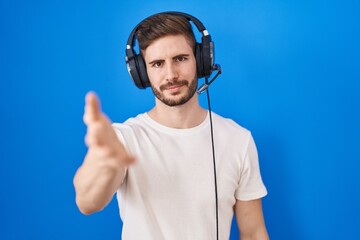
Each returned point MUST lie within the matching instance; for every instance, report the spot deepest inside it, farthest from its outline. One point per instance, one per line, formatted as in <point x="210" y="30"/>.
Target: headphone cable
<point x="214" y="162"/>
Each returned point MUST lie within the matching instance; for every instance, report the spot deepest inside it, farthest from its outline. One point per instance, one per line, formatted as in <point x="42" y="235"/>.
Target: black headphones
<point x="204" y="54"/>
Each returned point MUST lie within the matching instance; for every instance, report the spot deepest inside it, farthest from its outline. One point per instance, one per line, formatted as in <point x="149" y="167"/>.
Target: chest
<point x="181" y="169"/>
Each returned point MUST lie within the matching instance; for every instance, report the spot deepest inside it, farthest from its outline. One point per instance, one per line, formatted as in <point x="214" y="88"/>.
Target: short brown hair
<point x="161" y="25"/>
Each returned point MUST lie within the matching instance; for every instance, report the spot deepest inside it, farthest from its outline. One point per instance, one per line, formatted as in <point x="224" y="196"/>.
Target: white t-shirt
<point x="169" y="192"/>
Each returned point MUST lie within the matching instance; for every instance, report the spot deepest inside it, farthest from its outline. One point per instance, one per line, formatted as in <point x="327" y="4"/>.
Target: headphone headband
<point x="204" y="53"/>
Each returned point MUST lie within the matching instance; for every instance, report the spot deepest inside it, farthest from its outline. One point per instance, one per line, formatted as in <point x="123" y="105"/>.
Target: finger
<point x="92" y="107"/>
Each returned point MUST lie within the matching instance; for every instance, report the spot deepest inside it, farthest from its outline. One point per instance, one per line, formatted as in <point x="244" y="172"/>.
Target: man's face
<point x="171" y="67"/>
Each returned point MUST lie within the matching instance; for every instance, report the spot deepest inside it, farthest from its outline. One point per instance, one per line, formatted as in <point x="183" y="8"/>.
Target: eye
<point x="180" y="58"/>
<point x="156" y="64"/>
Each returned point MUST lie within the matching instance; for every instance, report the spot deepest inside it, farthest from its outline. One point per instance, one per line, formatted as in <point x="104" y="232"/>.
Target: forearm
<point x="95" y="183"/>
<point x="260" y="234"/>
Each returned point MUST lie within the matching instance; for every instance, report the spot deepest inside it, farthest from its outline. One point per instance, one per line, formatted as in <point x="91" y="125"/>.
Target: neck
<point x="183" y="116"/>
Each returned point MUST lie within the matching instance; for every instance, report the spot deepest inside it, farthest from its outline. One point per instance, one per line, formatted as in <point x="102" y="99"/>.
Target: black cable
<point x="214" y="162"/>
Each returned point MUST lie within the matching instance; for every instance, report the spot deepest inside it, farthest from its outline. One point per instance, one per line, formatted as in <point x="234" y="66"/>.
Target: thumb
<point x="92" y="107"/>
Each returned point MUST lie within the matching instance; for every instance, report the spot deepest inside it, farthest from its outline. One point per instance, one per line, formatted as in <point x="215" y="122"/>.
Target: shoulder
<point x="133" y="129"/>
<point x="130" y="126"/>
<point x="231" y="134"/>
<point x="129" y="123"/>
<point x="229" y="125"/>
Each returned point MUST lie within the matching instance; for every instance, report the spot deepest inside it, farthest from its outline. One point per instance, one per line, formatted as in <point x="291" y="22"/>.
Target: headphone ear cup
<point x="141" y="69"/>
<point x="137" y="70"/>
<point x="207" y="54"/>
<point x="199" y="60"/>
<point x="133" y="72"/>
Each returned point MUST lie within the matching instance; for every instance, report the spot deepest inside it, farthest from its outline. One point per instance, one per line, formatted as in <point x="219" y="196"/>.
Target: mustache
<point x="174" y="83"/>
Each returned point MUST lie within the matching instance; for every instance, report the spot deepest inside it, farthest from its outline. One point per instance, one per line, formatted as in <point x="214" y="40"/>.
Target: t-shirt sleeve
<point x="120" y="136"/>
<point x="250" y="185"/>
<point x="117" y="127"/>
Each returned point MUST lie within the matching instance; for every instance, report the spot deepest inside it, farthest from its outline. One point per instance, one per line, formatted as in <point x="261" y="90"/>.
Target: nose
<point x="171" y="72"/>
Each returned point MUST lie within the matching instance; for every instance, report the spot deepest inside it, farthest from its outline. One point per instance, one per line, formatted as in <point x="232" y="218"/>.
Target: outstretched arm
<point x="105" y="163"/>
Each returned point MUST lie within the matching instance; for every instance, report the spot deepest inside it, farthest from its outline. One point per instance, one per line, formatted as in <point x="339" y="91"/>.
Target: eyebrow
<point x="177" y="56"/>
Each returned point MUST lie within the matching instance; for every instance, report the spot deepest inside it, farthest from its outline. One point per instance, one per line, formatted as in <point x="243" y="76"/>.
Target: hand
<point x="105" y="163"/>
<point x="101" y="138"/>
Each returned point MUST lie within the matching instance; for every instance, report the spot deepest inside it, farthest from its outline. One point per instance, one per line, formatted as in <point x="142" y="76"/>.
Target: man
<point x="160" y="162"/>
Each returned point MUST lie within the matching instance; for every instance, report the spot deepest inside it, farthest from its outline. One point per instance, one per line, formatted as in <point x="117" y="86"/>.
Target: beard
<point x="172" y="102"/>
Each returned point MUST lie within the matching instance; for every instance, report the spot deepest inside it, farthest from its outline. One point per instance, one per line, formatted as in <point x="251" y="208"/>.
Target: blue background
<point x="290" y="75"/>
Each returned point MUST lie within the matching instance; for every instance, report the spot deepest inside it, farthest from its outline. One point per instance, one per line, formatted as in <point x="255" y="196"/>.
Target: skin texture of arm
<point x="105" y="163"/>
<point x="250" y="220"/>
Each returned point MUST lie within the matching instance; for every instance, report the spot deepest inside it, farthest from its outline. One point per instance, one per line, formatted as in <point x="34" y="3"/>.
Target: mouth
<point x="173" y="86"/>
